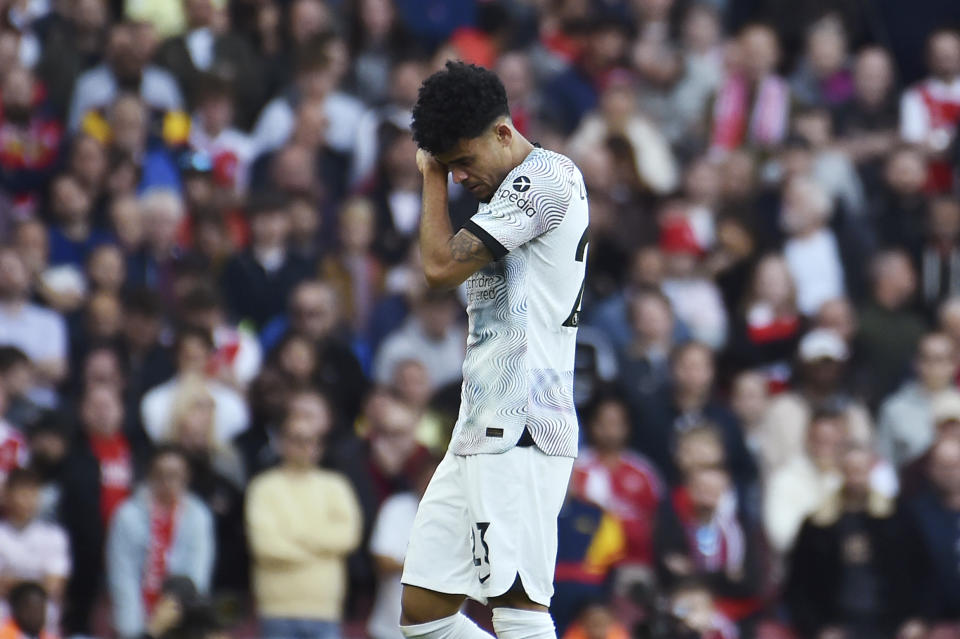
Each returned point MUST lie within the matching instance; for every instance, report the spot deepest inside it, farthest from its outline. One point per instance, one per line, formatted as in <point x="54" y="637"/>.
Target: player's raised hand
<point x="428" y="164"/>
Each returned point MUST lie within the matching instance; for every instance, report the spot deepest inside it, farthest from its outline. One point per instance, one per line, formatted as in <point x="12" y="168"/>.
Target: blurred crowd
<point x="224" y="383"/>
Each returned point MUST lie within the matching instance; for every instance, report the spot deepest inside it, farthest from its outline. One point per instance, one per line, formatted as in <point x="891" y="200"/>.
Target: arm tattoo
<point x="466" y="248"/>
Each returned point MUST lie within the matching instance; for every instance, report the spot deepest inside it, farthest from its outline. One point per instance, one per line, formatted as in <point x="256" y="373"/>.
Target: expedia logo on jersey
<point x="521" y="185"/>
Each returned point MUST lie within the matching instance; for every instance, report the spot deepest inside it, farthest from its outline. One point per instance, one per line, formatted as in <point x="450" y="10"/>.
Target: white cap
<point x="823" y="343"/>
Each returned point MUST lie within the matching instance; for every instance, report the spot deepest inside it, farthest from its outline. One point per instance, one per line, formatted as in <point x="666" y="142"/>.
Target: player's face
<point x="480" y="164"/>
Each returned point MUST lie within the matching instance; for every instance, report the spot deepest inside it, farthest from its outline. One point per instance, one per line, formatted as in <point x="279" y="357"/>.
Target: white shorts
<point x="484" y="520"/>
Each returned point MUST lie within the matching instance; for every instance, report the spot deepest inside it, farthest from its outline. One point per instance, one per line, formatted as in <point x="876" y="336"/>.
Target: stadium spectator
<point x="97" y="476"/>
<point x="933" y="512"/>
<point x="890" y="308"/>
<point x="854" y="566"/>
<point x="161" y="530"/>
<point x="622" y="483"/>
<point x="124" y="66"/>
<point x="905" y="427"/>
<point x="644" y="363"/>
<point x="702" y="532"/>
<point x="690" y="401"/>
<point x="257" y="280"/>
<point x="37" y="331"/>
<point x="32" y="549"/>
<point x="388" y="545"/>
<point x="28" y="602"/>
<point x="302" y="523"/>
<point x="930" y="110"/>
<point x="203" y="51"/>
<point x="193" y="350"/>
<point x="430" y="335"/>
<point x="819" y="382"/>
<point x="799" y="488"/>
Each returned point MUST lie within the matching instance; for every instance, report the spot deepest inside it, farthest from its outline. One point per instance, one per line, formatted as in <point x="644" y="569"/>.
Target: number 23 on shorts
<point x="481" y="555"/>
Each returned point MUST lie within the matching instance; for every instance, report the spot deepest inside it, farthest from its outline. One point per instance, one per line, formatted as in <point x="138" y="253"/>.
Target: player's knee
<point x="419" y="605"/>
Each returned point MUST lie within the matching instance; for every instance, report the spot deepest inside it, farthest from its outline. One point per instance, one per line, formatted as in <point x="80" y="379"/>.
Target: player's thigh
<point x="515" y="498"/>
<point x="439" y="560"/>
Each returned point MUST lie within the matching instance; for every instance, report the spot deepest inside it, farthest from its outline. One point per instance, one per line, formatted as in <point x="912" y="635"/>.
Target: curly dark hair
<point x="457" y="102"/>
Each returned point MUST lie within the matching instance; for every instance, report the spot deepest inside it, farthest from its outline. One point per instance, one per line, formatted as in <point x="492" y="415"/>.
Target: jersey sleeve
<point x="532" y="200"/>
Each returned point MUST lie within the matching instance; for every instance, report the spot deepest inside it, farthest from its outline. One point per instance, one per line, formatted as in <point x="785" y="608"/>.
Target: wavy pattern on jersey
<point x="552" y="417"/>
<point x="500" y="391"/>
<point x="552" y="178"/>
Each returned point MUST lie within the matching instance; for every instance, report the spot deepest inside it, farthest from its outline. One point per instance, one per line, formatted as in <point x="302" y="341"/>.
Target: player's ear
<point x="504" y="132"/>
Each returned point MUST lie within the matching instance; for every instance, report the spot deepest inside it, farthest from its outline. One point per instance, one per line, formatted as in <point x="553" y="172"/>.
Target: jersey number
<point x="477" y="561"/>
<point x="573" y="320"/>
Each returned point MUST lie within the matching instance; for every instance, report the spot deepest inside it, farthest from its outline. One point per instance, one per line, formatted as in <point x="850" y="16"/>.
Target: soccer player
<point x="487" y="525"/>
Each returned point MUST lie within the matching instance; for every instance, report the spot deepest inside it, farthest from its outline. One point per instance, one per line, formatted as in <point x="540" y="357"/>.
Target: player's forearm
<point x="435" y="229"/>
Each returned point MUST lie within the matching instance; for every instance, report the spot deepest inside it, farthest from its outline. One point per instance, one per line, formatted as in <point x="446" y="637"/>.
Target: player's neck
<point x="520" y="148"/>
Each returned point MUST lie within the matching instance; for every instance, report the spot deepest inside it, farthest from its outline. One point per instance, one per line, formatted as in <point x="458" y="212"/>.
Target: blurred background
<point x="224" y="385"/>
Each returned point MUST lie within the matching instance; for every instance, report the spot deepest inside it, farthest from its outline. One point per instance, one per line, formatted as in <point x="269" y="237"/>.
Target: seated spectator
<point x="766" y="332"/>
<point x="125" y="65"/>
<point x="193" y="350"/>
<point x="203" y="51"/>
<point x="49" y="441"/>
<point x="939" y="279"/>
<point x="622" y="483"/>
<point x="901" y="205"/>
<point x="945" y="413"/>
<point x="822" y="77"/>
<point x="38" y="332"/>
<point x="752" y="88"/>
<point x="701" y="532"/>
<point x="315" y="80"/>
<point x="799" y="488"/>
<point x="152" y="265"/>
<point x="28" y="603"/>
<point x="905" y="427"/>
<point x="695" y="298"/>
<point x="395" y="191"/>
<point x="32" y="549"/>
<point x="30" y="140"/>
<point x="302" y="523"/>
<point x="106" y="270"/>
<point x="750" y="399"/>
<point x="431" y="335"/>
<point x="694" y="615"/>
<point x="644" y="362"/>
<point x="889" y="312"/>
<point x="162" y="530"/>
<point x="819" y="382"/>
<point x="812" y="249"/>
<point x="236" y="358"/>
<point x="618" y="115"/>
<point x="257" y="282"/>
<point x="867" y="124"/>
<point x="854" y="566"/>
<point x="353" y="269"/>
<point x="213" y="134"/>
<point x="388" y="546"/>
<point x="73" y="236"/>
<point x="97" y="476"/>
<point x="691" y="401"/>
<point x="411" y="381"/>
<point x="934" y="512"/>
<point x="216" y="477"/>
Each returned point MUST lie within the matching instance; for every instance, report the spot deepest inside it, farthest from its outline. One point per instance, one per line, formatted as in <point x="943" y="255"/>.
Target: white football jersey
<point x="523" y="310"/>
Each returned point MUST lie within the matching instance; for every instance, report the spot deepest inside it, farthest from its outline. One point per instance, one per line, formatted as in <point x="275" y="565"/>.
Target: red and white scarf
<point x="163" y="525"/>
<point x="735" y="121"/>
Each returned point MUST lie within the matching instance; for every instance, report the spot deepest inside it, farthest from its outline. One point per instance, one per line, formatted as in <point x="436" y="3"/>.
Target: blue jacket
<point x="191" y="554"/>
